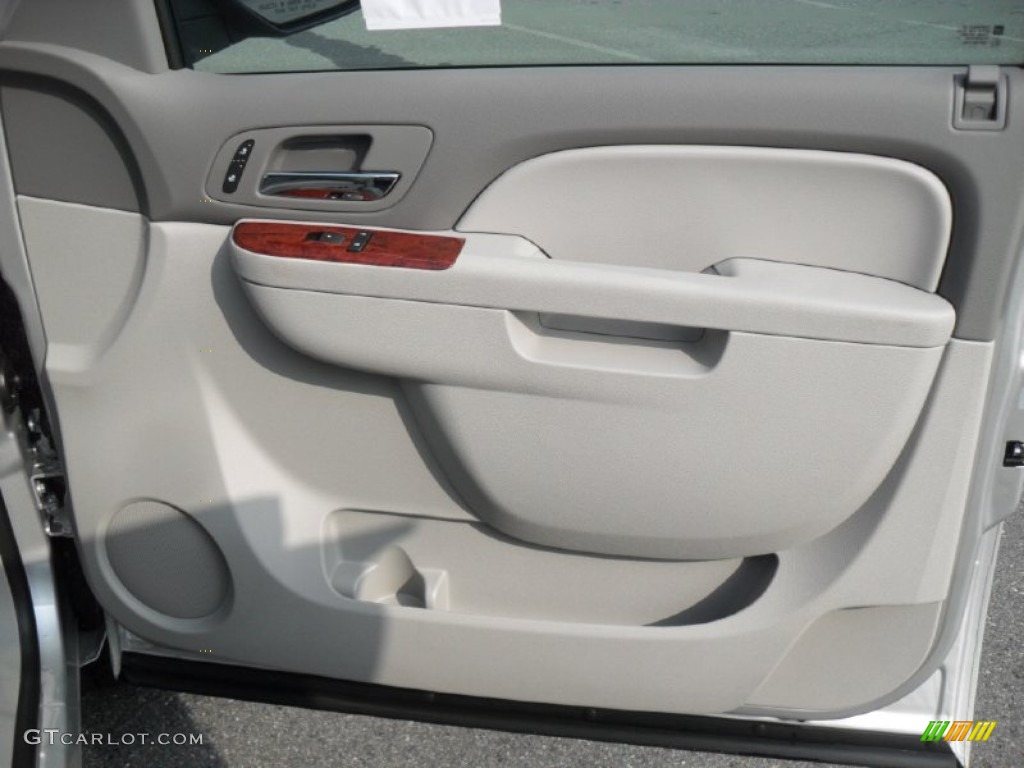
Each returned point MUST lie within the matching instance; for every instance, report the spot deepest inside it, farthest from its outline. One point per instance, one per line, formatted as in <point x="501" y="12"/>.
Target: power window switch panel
<point x="360" y="241"/>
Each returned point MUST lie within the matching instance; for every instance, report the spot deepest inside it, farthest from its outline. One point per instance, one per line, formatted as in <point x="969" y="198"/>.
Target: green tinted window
<point x="543" y="32"/>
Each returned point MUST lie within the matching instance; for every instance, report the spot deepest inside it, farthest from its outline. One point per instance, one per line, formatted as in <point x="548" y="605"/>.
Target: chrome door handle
<point x="355" y="186"/>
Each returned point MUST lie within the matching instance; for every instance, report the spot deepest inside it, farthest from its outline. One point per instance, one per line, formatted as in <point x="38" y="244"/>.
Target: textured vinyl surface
<point x="166" y="560"/>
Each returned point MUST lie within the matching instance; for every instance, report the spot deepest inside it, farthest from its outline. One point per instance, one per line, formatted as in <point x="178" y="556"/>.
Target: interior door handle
<point x="330" y="185"/>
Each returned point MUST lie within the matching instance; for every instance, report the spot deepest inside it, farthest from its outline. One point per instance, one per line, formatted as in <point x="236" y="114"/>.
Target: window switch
<point x="360" y="241"/>
<point x="1014" y="454"/>
<point x="333" y="238"/>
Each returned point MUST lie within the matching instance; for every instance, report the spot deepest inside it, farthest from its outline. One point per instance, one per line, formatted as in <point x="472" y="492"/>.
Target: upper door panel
<point x="688" y="208"/>
<point x="511" y="118"/>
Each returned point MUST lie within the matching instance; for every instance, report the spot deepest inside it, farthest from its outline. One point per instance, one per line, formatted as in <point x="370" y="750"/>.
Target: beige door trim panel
<point x="257" y="477"/>
<point x="688" y="207"/>
<point x="748" y="432"/>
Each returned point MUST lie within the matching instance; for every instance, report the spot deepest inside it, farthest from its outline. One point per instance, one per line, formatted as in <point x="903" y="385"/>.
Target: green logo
<point x="958" y="730"/>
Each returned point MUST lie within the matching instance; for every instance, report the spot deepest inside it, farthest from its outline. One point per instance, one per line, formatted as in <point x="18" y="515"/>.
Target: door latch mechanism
<point x="49" y="485"/>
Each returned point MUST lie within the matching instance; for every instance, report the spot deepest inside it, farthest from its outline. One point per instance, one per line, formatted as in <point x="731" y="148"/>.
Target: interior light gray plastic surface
<point x="465" y="568"/>
<point x="686" y="208"/>
<point x="579" y="401"/>
<point x="63" y="147"/>
<point x="90" y="278"/>
<point x="866" y="670"/>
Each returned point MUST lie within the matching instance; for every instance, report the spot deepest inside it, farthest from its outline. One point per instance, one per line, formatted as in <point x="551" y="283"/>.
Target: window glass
<point x="548" y="32"/>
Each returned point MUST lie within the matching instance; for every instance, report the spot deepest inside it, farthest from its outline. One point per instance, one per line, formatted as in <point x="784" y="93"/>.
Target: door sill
<point x="783" y="740"/>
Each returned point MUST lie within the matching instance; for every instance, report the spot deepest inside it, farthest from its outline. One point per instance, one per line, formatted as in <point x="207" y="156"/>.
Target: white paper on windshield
<point x="423" y="14"/>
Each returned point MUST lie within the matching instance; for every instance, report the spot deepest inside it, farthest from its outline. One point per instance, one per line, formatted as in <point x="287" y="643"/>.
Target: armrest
<point x="743" y="294"/>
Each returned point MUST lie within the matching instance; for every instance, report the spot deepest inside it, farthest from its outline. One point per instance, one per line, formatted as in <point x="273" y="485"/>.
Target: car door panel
<point x="579" y="400"/>
<point x="270" y="462"/>
<point x="447" y="479"/>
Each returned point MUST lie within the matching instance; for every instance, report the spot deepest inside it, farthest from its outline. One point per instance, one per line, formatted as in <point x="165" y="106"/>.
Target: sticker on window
<point x="420" y="14"/>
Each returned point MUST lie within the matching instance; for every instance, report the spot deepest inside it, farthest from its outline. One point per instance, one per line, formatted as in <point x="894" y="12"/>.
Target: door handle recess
<point x="330" y="185"/>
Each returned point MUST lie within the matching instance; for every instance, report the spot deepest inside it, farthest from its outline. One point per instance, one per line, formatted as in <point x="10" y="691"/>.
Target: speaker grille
<point x="167" y="560"/>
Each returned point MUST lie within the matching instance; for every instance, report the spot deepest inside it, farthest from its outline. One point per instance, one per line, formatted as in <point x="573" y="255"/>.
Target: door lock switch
<point x="237" y="166"/>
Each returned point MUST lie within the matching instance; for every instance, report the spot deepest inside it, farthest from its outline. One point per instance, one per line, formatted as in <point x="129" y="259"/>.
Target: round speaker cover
<point x="167" y="560"/>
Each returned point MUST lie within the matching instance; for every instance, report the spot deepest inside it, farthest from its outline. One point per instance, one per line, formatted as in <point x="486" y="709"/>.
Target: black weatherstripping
<point x="709" y="734"/>
<point x="172" y="46"/>
<point x="20" y="391"/>
<point x="27" y="717"/>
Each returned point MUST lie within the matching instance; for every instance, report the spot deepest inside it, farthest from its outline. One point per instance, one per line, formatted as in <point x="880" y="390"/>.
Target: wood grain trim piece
<point x="411" y="250"/>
